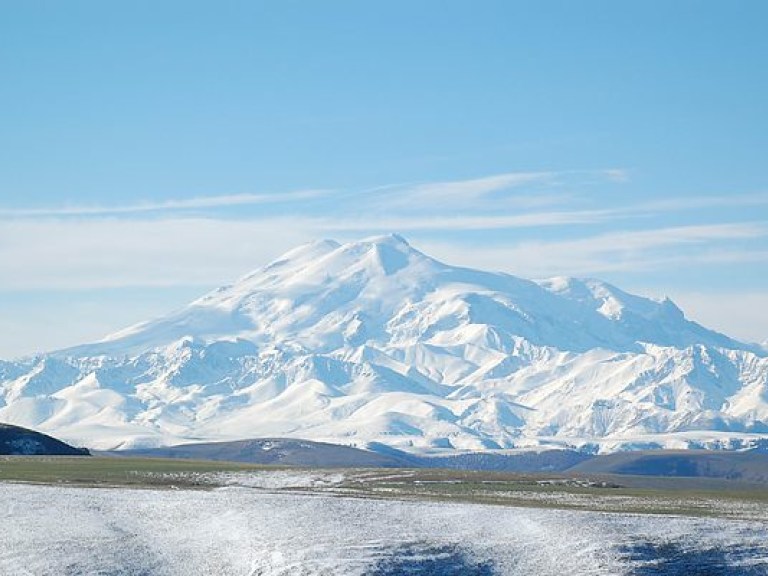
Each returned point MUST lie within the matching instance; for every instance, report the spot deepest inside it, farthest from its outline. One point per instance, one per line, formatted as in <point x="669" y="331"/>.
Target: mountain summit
<point x="374" y="341"/>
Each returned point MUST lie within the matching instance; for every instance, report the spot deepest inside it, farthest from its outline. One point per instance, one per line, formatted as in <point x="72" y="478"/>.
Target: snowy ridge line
<point x="376" y="342"/>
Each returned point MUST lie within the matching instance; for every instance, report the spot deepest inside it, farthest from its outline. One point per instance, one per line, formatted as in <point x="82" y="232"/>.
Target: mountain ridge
<point x="374" y="341"/>
<point x="19" y="441"/>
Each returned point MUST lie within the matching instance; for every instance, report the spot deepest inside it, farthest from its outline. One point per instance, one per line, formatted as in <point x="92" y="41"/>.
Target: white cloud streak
<point x="108" y="253"/>
<point x="615" y="174"/>
<point x="699" y="202"/>
<point x="627" y="251"/>
<point x="455" y="223"/>
<point x="470" y="190"/>
<point x="512" y="189"/>
<point x="516" y="193"/>
<point x="225" y="201"/>
<point x="112" y="252"/>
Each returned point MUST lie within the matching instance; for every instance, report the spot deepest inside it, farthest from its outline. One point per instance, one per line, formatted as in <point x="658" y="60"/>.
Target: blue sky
<point x="150" y="151"/>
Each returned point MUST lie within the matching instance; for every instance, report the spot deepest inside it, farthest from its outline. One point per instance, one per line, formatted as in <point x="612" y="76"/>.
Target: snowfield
<point x="374" y="341"/>
<point x="48" y="530"/>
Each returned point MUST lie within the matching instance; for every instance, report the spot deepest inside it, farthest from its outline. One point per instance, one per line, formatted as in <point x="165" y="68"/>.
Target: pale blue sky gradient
<point x="150" y="151"/>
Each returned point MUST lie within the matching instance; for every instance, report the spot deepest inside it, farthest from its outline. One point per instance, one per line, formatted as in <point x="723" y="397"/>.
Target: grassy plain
<point x="126" y="472"/>
<point x="624" y="494"/>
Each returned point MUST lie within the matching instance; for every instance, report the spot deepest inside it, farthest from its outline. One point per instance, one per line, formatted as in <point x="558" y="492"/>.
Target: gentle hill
<point x="305" y="453"/>
<point x="15" y="440"/>
<point x="276" y="451"/>
<point x="748" y="466"/>
<point x="523" y="461"/>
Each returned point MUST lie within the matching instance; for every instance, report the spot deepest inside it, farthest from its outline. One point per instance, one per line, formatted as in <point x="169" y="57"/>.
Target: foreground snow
<point x="48" y="530"/>
<point x="374" y="341"/>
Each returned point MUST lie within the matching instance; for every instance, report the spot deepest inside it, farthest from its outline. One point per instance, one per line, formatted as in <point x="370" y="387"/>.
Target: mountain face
<point x="374" y="341"/>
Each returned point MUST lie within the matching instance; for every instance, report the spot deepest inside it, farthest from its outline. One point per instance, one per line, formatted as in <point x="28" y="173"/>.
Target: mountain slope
<point x="18" y="441"/>
<point x="746" y="466"/>
<point x="374" y="341"/>
<point x="273" y="451"/>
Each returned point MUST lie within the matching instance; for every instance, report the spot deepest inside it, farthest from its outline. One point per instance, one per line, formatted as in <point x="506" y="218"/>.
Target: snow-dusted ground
<point x="49" y="530"/>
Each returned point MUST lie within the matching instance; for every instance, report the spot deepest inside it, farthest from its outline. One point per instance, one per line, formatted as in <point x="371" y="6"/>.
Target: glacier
<point x="376" y="342"/>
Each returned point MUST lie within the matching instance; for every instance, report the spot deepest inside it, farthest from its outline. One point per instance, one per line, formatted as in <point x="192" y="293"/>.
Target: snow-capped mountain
<point x="374" y="341"/>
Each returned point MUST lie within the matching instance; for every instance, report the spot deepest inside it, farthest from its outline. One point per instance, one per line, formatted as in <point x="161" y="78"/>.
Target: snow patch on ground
<point x="48" y="530"/>
<point x="271" y="480"/>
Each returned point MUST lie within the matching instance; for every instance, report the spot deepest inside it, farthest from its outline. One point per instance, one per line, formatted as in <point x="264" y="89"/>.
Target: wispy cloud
<point x="521" y="190"/>
<point x="514" y="192"/>
<point x="89" y="253"/>
<point x="654" y="249"/>
<point x="471" y="190"/>
<point x="699" y="202"/>
<point x="77" y="253"/>
<point x="615" y="174"/>
<point x="724" y="310"/>
<point x="224" y="201"/>
<point x="456" y="223"/>
<point x="676" y="235"/>
<point x="170" y="243"/>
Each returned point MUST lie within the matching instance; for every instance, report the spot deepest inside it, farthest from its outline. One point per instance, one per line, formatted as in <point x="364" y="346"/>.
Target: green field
<point x="622" y="494"/>
<point x="606" y="494"/>
<point x="128" y="472"/>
